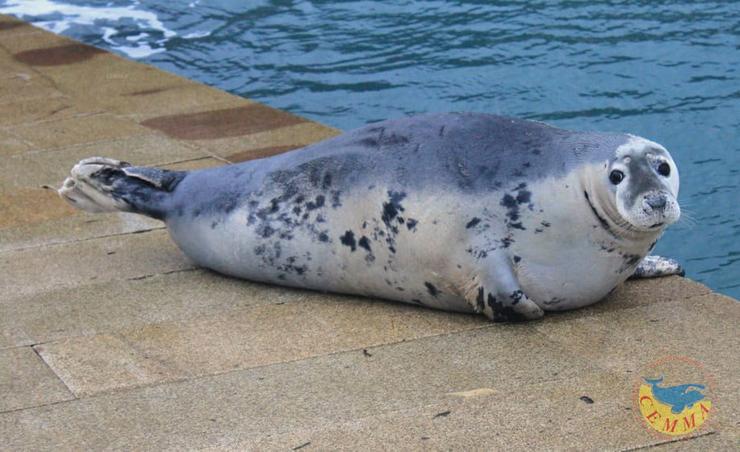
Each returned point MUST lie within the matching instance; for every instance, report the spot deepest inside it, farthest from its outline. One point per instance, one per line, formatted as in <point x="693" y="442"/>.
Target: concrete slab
<point x="537" y="416"/>
<point x="51" y="167"/>
<point x="25" y="381"/>
<point x="37" y="270"/>
<point x="11" y="145"/>
<point x="106" y="307"/>
<point x="20" y="39"/>
<point x="685" y="326"/>
<point x="112" y="363"/>
<point x="236" y="409"/>
<point x="20" y="83"/>
<point x="313" y="324"/>
<point x="181" y="98"/>
<point x="643" y="292"/>
<point x="37" y="110"/>
<point x="81" y="130"/>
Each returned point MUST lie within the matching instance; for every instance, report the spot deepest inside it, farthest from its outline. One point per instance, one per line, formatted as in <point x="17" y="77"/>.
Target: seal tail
<point x="100" y="184"/>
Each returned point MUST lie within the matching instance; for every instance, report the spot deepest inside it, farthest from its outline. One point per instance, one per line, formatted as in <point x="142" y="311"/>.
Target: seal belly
<point x="372" y="241"/>
<point x="565" y="259"/>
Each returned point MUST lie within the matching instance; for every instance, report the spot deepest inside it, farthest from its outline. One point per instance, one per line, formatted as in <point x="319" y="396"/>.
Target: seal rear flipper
<point x="100" y="184"/>
<point x="656" y="266"/>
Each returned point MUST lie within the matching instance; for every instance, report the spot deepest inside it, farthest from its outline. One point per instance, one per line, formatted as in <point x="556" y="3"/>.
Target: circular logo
<point x="674" y="395"/>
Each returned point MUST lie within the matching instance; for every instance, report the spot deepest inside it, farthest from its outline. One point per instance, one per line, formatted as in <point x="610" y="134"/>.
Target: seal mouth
<point x="657" y="225"/>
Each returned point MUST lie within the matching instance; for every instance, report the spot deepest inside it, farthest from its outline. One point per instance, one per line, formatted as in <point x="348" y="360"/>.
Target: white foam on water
<point x="197" y="34"/>
<point x="104" y="18"/>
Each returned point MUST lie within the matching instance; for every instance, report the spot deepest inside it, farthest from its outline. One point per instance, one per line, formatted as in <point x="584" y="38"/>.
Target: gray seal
<point x="464" y="212"/>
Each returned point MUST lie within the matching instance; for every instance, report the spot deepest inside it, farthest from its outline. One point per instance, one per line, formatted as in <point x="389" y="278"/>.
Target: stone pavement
<point x="111" y="339"/>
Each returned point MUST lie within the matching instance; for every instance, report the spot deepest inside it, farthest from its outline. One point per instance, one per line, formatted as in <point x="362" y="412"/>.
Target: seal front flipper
<point x="656" y="266"/>
<point x="100" y="184"/>
<point x="496" y="293"/>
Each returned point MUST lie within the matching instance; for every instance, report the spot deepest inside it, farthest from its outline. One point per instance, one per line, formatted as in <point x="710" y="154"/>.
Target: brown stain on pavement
<point x="228" y="122"/>
<point x="261" y="153"/>
<point x="57" y="56"/>
<point x="11" y="25"/>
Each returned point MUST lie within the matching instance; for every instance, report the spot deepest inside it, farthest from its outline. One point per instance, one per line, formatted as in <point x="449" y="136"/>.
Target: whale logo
<point x="678" y="397"/>
<point x="674" y="409"/>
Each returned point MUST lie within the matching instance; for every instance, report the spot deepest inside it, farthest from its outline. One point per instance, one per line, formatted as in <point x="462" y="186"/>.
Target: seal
<point x="463" y="212"/>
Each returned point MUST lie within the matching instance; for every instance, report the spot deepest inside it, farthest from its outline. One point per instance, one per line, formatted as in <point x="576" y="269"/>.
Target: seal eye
<point x="664" y="169"/>
<point x="616" y="177"/>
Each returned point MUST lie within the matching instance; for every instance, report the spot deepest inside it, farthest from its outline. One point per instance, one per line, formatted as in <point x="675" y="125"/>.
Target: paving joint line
<point x="15" y="410"/>
<point x="87" y="239"/>
<point x="670" y="441"/>
<point x="51" y="369"/>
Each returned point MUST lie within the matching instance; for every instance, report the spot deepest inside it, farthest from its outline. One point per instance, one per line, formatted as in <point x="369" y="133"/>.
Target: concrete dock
<point x="111" y="339"/>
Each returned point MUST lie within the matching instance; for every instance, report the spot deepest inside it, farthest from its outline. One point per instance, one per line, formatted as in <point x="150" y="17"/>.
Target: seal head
<point x="635" y="191"/>
<point x="644" y="180"/>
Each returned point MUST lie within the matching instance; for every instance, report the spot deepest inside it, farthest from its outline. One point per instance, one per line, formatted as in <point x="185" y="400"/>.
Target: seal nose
<point x="656" y="200"/>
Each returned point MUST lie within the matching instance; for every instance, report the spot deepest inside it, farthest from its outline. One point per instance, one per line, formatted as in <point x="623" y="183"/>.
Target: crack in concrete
<point x="669" y="441"/>
<point x="87" y="239"/>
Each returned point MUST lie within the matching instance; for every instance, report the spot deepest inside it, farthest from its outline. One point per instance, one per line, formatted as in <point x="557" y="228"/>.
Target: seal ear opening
<point x="100" y="185"/>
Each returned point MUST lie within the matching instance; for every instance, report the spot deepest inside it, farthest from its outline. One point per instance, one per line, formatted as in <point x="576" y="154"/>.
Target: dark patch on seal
<point x="517" y="259"/>
<point x="266" y="231"/>
<point x="480" y="300"/>
<point x="523" y="197"/>
<point x="472" y="223"/>
<point x="390" y="212"/>
<point x="392" y="208"/>
<point x="317" y="203"/>
<point x="57" y="56"/>
<point x="227" y="122"/>
<point x="516" y="296"/>
<point x="604" y="224"/>
<point x="364" y="242"/>
<point x="630" y="260"/>
<point x="553" y="301"/>
<point x="348" y="239"/>
<point x="411" y="224"/>
<point x="503" y="313"/>
<point x="652" y="246"/>
<point x="416" y="300"/>
<point x="323" y="237"/>
<point x="512" y="203"/>
<point x="506" y="242"/>
<point x="433" y="291"/>
<point x="336" y="200"/>
<point x="291" y="267"/>
<point x="326" y="182"/>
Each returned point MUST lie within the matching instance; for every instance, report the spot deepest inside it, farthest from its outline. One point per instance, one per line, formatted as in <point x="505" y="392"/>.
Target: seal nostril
<point x="656" y="201"/>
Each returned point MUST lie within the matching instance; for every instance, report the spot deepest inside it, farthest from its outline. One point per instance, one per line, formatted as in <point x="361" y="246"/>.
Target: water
<point x="664" y="70"/>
